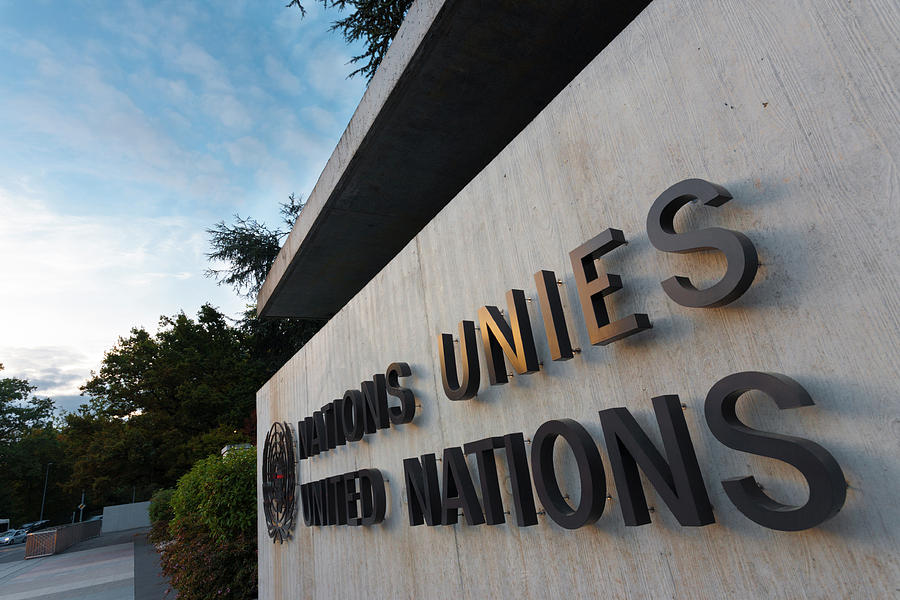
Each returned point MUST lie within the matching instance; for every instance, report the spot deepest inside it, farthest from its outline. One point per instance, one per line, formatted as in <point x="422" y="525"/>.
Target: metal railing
<point x="54" y="541"/>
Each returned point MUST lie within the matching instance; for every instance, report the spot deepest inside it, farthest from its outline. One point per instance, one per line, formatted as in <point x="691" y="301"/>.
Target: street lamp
<point x="47" y="476"/>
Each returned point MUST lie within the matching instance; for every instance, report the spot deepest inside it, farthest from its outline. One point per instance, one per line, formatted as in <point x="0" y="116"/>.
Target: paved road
<point x="117" y="566"/>
<point x="149" y="582"/>
<point x="12" y="553"/>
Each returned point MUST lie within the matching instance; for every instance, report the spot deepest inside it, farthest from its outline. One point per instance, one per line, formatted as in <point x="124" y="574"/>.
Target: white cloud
<point x="228" y="109"/>
<point x="196" y="61"/>
<point x="327" y="72"/>
<point x="282" y="77"/>
<point x="323" y="120"/>
<point x="54" y="370"/>
<point x="79" y="282"/>
<point x="157" y="114"/>
<point x="296" y="139"/>
<point x="247" y="152"/>
<point x="104" y="133"/>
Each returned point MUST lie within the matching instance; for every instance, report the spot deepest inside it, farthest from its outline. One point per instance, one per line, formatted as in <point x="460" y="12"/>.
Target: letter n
<point x="679" y="483"/>
<point x="422" y="490"/>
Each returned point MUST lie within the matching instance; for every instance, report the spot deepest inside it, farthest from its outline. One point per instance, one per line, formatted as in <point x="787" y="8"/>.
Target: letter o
<point x="590" y="472"/>
<point x="353" y="415"/>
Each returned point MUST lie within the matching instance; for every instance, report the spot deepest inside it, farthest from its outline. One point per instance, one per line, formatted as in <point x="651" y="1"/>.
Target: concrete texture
<point x="126" y="516"/>
<point x="459" y="82"/>
<point x="791" y="106"/>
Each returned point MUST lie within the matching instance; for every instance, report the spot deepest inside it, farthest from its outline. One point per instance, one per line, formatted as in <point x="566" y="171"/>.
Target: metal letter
<point x="407" y="409"/>
<point x="594" y="285"/>
<point x="738" y="249"/>
<point x="520" y="479"/>
<point x="513" y="339"/>
<point x="328" y="416"/>
<point x="320" y="502"/>
<point x="375" y="393"/>
<point x="373" y="497"/>
<point x="487" y="474"/>
<point x="319" y="432"/>
<point x="423" y="495"/>
<point x="679" y="482"/>
<point x="338" y="432"/>
<point x="458" y="490"/>
<point x="306" y="502"/>
<point x="307" y="428"/>
<point x="467" y="387"/>
<point x="301" y="442"/>
<point x="337" y="506"/>
<point x="353" y="415"/>
<point x="351" y="497"/>
<point x="554" y="316"/>
<point x="590" y="472"/>
<point x="827" y="486"/>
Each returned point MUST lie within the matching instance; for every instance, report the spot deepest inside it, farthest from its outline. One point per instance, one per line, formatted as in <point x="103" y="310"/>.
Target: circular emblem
<point x="279" y="482"/>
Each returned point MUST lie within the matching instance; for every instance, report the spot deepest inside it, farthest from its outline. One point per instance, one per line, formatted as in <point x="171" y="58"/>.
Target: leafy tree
<point x="28" y="442"/>
<point x="249" y="248"/>
<point x="161" y="402"/>
<point x="374" y="21"/>
<point x="21" y="412"/>
<point x="24" y="469"/>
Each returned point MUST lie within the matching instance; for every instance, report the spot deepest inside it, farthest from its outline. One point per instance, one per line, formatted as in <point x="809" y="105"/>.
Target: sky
<point x="126" y="130"/>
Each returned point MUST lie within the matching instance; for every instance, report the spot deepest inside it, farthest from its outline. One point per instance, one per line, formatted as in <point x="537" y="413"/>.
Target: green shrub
<point x="219" y="493"/>
<point x="211" y="551"/>
<point x="161" y="506"/>
<point x="201" y="568"/>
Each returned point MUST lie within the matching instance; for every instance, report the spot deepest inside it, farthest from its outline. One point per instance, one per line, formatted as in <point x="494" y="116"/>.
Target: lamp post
<point x="46" y="477"/>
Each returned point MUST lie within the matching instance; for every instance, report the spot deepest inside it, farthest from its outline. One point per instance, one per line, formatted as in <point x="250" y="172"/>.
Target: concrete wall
<point x="794" y="107"/>
<point x="126" y="516"/>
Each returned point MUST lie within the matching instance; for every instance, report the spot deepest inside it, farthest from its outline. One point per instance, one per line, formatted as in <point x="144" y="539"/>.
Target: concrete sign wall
<point x="793" y="107"/>
<point x="126" y="516"/>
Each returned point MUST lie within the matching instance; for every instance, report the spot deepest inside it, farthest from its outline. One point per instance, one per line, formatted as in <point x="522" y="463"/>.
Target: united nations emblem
<point x="279" y="482"/>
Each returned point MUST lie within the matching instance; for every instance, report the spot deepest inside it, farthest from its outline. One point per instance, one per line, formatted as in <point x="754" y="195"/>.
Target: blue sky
<point x="127" y="129"/>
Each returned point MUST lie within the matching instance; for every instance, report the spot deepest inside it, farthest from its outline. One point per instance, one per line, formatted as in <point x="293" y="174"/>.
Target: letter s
<point x="827" y="487"/>
<point x="737" y="248"/>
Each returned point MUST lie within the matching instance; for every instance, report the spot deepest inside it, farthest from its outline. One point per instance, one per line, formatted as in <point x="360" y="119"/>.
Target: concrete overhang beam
<point x="459" y="82"/>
